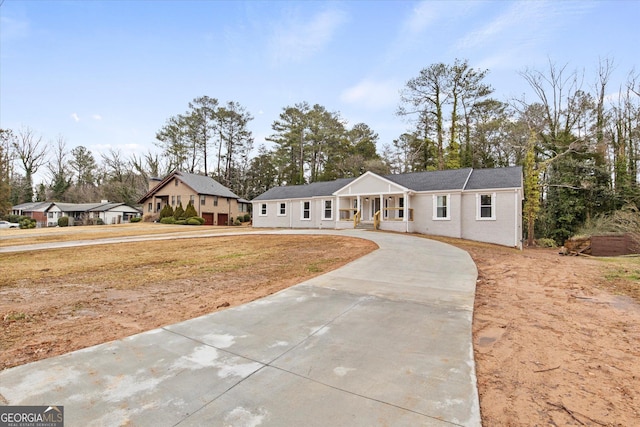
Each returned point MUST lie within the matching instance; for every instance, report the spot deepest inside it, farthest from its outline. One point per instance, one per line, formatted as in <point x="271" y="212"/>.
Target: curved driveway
<point x="382" y="341"/>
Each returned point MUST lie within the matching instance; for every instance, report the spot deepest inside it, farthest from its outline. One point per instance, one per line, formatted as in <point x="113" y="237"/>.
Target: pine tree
<point x="179" y="212"/>
<point x="190" y="212"/>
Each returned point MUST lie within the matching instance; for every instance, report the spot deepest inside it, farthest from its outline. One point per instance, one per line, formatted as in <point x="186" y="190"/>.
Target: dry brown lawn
<point x="59" y="300"/>
<point x="556" y="339"/>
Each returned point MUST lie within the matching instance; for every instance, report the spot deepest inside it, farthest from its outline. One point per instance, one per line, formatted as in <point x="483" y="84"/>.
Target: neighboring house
<point x="34" y="210"/>
<point x="47" y="213"/>
<point x="476" y="204"/>
<point x="213" y="201"/>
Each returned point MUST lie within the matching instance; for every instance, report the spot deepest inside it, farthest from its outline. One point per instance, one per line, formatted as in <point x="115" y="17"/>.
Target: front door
<point x="375" y="206"/>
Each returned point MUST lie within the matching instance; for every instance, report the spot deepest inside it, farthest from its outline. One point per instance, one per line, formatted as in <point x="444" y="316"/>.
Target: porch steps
<point x="365" y="226"/>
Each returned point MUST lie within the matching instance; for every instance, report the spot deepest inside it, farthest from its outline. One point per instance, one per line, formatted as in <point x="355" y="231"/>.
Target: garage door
<point x="208" y="218"/>
<point x="223" y="219"/>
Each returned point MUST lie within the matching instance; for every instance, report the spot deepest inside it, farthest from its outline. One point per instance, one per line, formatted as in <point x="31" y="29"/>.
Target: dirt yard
<point x="556" y="344"/>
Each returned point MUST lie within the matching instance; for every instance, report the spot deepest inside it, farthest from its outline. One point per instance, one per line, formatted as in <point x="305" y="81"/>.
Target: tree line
<point x="578" y="145"/>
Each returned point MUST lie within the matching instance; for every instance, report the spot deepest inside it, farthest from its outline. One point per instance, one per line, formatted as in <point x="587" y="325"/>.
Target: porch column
<point x="359" y="206"/>
<point x="405" y="207"/>
<point x="381" y="207"/>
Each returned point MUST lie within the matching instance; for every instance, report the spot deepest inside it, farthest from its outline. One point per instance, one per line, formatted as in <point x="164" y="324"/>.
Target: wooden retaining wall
<point x="615" y="245"/>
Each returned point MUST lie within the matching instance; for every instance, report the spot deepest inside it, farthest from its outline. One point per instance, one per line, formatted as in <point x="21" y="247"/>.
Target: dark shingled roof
<point x="314" y="189"/>
<point x="495" y="178"/>
<point x="206" y="185"/>
<point x="453" y="179"/>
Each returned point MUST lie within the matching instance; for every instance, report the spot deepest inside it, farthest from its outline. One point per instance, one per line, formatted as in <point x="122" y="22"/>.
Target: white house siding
<point x="293" y="217"/>
<point x="423" y="221"/>
<point x="505" y="229"/>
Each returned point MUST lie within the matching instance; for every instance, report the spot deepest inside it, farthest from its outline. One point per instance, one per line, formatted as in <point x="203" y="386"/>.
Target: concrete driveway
<point x="382" y="341"/>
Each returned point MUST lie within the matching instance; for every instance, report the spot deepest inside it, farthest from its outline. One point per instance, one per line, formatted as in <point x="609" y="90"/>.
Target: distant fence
<point x="615" y="244"/>
<point x="604" y="245"/>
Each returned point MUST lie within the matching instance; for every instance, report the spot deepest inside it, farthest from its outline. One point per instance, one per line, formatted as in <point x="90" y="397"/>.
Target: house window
<point x="306" y="210"/>
<point x="192" y="199"/>
<point x="263" y="209"/>
<point x="203" y="200"/>
<point x="328" y="209"/>
<point x="176" y="182"/>
<point x="441" y="207"/>
<point x="150" y="207"/>
<point x="282" y="209"/>
<point x="173" y="200"/>
<point x="486" y="209"/>
<point x="401" y="206"/>
<point x="215" y="201"/>
<point x="179" y="200"/>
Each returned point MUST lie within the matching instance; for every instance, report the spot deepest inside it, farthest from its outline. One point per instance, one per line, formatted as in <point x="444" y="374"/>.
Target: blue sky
<point x="107" y="74"/>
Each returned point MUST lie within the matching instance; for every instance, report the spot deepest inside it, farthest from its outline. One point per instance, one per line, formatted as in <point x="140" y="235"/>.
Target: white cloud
<point x="296" y="40"/>
<point x="75" y="117"/>
<point x="421" y="17"/>
<point x="372" y="94"/>
<point x="524" y="24"/>
<point x="96" y="117"/>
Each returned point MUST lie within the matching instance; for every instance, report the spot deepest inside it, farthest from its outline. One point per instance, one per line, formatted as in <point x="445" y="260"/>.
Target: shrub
<point x="193" y="221"/>
<point x="27" y="223"/>
<point x="14" y="218"/>
<point x="237" y="222"/>
<point x="167" y="211"/>
<point x="135" y="219"/>
<point x="99" y="221"/>
<point x="168" y="220"/>
<point x="546" y="243"/>
<point x="199" y="219"/>
<point x="190" y="212"/>
<point x="247" y="217"/>
<point x="179" y="212"/>
<point x="63" y="221"/>
<point x="181" y="221"/>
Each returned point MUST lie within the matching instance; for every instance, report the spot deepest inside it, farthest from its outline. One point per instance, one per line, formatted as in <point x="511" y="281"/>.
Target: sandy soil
<point x="554" y="345"/>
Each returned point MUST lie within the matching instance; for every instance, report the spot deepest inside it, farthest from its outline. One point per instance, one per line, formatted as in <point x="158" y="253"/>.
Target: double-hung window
<point x="328" y="209"/>
<point x="282" y="209"/>
<point x="306" y="210"/>
<point x="263" y="209"/>
<point x="441" y="207"/>
<point x="486" y="206"/>
<point x="203" y="199"/>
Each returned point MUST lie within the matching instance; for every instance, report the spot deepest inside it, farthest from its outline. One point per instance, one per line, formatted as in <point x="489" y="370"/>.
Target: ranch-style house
<point x="477" y="204"/>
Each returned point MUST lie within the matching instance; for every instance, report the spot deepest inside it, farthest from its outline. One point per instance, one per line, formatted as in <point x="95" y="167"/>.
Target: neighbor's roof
<point x="453" y="179"/>
<point x="33" y="206"/>
<point x="199" y="183"/>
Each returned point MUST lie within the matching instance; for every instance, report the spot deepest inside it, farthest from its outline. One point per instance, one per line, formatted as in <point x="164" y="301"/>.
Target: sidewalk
<point x="382" y="341"/>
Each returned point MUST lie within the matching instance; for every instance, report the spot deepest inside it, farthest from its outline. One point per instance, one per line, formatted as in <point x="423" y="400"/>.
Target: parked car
<point x="7" y="224"/>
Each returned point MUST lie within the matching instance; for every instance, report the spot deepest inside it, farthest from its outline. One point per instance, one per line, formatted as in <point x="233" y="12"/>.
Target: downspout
<point x="290" y="213"/>
<point x="518" y="242"/>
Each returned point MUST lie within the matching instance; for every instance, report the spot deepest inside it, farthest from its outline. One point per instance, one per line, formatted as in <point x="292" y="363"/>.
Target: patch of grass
<point x="622" y="275"/>
<point x="140" y="264"/>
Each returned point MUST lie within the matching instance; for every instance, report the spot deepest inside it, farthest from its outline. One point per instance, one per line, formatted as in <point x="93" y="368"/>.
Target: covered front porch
<point x="375" y="210"/>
